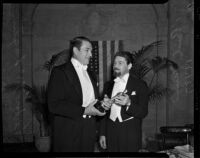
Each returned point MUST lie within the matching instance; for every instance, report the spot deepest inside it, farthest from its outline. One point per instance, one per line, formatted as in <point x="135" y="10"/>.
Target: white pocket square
<point x="133" y="93"/>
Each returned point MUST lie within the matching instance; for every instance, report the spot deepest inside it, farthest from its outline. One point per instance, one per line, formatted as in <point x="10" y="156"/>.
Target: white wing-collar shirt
<point x="119" y="86"/>
<point x="86" y="84"/>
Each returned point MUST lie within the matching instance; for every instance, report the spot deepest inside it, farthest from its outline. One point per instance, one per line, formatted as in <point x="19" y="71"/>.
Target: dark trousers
<point x="88" y="136"/>
<point x="79" y="137"/>
<point x="123" y="136"/>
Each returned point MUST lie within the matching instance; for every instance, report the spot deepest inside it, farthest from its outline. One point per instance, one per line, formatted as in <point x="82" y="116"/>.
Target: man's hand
<point x="102" y="141"/>
<point x="91" y="110"/>
<point x="106" y="103"/>
<point x="122" y="100"/>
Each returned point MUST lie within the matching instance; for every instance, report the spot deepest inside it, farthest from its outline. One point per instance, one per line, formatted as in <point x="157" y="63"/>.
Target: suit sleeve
<point x="57" y="102"/>
<point x="139" y="103"/>
<point x="102" y="129"/>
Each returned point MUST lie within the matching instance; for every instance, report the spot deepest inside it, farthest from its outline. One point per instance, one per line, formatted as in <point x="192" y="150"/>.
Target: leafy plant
<point x="143" y="63"/>
<point x="36" y="95"/>
<point x="48" y="65"/>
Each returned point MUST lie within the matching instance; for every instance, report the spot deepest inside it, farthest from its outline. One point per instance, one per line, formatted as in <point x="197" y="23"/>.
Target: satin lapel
<point x="110" y="89"/>
<point x="129" y="84"/>
<point x="73" y="78"/>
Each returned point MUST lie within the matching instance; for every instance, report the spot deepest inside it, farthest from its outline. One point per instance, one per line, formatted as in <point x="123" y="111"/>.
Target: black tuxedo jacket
<point x="65" y="103"/>
<point x="139" y="102"/>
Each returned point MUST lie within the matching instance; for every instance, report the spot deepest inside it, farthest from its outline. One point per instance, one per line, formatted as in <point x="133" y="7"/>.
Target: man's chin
<point x="86" y="63"/>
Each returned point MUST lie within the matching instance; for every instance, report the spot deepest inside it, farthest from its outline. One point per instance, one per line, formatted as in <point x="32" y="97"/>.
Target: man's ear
<point x="129" y="66"/>
<point x="75" y="50"/>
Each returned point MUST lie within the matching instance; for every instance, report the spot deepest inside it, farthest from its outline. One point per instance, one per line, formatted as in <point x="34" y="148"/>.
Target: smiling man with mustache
<point x="121" y="128"/>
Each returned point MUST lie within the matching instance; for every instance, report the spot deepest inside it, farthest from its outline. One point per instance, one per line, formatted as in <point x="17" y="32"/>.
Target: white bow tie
<point x="119" y="79"/>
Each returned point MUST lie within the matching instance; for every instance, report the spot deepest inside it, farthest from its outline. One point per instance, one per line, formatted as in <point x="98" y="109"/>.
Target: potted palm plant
<point x="143" y="64"/>
<point x="147" y="67"/>
<point x="36" y="96"/>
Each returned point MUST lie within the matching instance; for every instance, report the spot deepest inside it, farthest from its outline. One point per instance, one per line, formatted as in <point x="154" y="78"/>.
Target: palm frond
<point x="157" y="92"/>
<point x="32" y="90"/>
<point x="36" y="95"/>
<point x="139" y="56"/>
<point x="50" y="63"/>
<point x="13" y="87"/>
<point x="158" y="63"/>
<point x="139" y="70"/>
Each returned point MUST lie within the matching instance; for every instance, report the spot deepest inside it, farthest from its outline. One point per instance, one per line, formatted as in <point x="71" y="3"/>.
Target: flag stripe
<point x="112" y="50"/>
<point x="112" y="55"/>
<point x="104" y="61"/>
<point x="100" y="45"/>
<point x="108" y="60"/>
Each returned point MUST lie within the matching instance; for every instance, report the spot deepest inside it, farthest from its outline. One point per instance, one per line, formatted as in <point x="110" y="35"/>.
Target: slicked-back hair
<point x="127" y="55"/>
<point x="77" y="42"/>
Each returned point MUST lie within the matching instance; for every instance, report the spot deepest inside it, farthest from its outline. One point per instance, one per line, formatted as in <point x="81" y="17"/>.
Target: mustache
<point x="116" y="69"/>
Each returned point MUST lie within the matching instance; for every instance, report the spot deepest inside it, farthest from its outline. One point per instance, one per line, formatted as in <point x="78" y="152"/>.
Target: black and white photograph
<point x="99" y="78"/>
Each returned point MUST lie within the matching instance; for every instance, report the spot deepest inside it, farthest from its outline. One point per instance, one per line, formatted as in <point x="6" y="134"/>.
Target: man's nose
<point x="90" y="54"/>
<point x="115" y="66"/>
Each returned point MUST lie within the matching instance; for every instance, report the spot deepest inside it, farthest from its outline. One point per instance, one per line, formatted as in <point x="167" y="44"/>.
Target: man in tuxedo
<point x="121" y="128"/>
<point x="72" y="94"/>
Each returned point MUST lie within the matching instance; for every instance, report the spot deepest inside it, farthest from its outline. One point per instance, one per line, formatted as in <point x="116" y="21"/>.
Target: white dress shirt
<point x="86" y="84"/>
<point x="119" y="86"/>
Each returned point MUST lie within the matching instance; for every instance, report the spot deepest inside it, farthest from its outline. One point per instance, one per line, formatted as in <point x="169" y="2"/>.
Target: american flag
<point x="102" y="58"/>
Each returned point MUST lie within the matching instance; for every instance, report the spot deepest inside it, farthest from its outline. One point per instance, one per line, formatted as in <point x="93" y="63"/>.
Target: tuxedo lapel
<point x="109" y="89"/>
<point x="129" y="84"/>
<point x="94" y="84"/>
<point x="129" y="87"/>
<point x="73" y="78"/>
